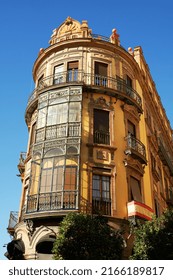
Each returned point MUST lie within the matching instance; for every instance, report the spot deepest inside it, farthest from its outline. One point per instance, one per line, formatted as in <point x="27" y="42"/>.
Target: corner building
<point x="99" y="140"/>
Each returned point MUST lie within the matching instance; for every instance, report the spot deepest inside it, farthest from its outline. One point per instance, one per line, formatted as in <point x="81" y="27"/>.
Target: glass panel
<point x="96" y="187"/>
<point x="72" y="71"/>
<point x="57" y="179"/>
<point x="52" y="115"/>
<point x="46" y="178"/>
<point x="47" y="163"/>
<point x="35" y="174"/>
<point x="105" y="187"/>
<point x="70" y="178"/>
<point x="74" y="112"/>
<point x="57" y="114"/>
<point x="41" y="118"/>
<point x="58" y="75"/>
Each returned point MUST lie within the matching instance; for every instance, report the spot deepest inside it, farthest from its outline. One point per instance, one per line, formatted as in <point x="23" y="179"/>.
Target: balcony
<point x="53" y="201"/>
<point x="115" y="87"/>
<point x="165" y="156"/>
<point x="136" y="149"/>
<point x="102" y="137"/>
<point x="101" y="207"/>
<point x="138" y="210"/>
<point x="21" y="165"/>
<point x="12" y="222"/>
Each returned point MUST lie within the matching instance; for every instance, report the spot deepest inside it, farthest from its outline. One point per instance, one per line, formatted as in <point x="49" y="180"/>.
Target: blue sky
<point x="26" y="26"/>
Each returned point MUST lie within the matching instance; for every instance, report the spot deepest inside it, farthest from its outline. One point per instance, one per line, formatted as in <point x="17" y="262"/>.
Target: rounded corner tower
<point x="87" y="146"/>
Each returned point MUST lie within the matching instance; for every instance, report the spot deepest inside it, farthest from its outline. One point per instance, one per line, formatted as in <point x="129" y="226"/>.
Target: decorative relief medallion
<point x="102" y="155"/>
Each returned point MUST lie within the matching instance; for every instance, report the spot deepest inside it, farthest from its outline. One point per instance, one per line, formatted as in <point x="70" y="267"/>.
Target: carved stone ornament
<point x="70" y="29"/>
<point x="135" y="165"/>
<point x="101" y="102"/>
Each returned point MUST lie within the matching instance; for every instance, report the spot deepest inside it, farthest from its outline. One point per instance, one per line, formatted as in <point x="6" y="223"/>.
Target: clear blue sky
<point x="26" y="26"/>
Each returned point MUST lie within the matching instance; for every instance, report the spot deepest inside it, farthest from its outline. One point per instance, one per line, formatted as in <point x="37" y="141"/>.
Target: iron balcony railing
<point x="135" y="145"/>
<point x="102" y="137"/>
<point x="87" y="79"/>
<point x="165" y="155"/>
<point x="65" y="200"/>
<point x="102" y="207"/>
<point x="13" y="219"/>
<point x="52" y="201"/>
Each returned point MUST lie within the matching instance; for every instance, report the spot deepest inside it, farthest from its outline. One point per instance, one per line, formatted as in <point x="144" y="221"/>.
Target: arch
<point x="53" y="152"/>
<point x="45" y="244"/>
<point x="72" y="150"/>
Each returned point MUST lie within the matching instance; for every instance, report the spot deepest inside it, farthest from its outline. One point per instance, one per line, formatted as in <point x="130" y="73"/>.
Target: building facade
<point x="99" y="139"/>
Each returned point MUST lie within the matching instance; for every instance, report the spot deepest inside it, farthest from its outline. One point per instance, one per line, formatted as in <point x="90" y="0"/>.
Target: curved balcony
<point x="12" y="222"/>
<point x="136" y="149"/>
<point x="52" y="202"/>
<point x="115" y="87"/>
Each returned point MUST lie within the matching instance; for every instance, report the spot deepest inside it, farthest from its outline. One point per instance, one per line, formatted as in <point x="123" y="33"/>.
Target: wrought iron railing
<point x="101" y="137"/>
<point x="87" y="79"/>
<point x="101" y="207"/>
<point x="52" y="201"/>
<point x="100" y="37"/>
<point x="58" y="131"/>
<point x="165" y="155"/>
<point x="136" y="145"/>
<point x="13" y="219"/>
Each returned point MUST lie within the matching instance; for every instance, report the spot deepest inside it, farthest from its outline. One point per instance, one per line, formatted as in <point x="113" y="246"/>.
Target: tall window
<point x="101" y="127"/>
<point x="32" y="136"/>
<point x="160" y="180"/>
<point x="57" y="114"/>
<point x="128" y="81"/>
<point x="131" y="129"/>
<point x="58" y="74"/>
<point x="52" y="175"/>
<point x="135" y="189"/>
<point x="74" y="111"/>
<point x="72" y="70"/>
<point x="101" y="70"/>
<point x="101" y="198"/>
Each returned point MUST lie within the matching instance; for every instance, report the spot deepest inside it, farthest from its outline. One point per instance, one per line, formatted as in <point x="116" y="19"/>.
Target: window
<point x="101" y="70"/>
<point x="72" y="69"/>
<point x="52" y="175"/>
<point x="160" y="180"/>
<point x="128" y="81"/>
<point x="40" y="81"/>
<point x="101" y="199"/>
<point x="131" y="129"/>
<point x="41" y="118"/>
<point x="58" y="74"/>
<point x="32" y="136"/>
<point x="74" y="112"/>
<point x="135" y="190"/>
<point x="35" y="174"/>
<point x="101" y="127"/>
<point x="57" y="114"/>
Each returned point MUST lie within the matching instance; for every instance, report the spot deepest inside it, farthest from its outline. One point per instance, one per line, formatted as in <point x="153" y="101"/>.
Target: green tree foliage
<point x="154" y="239"/>
<point x="83" y="237"/>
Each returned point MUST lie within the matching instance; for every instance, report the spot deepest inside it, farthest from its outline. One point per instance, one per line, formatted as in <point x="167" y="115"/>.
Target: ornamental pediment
<point x="70" y="29"/>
